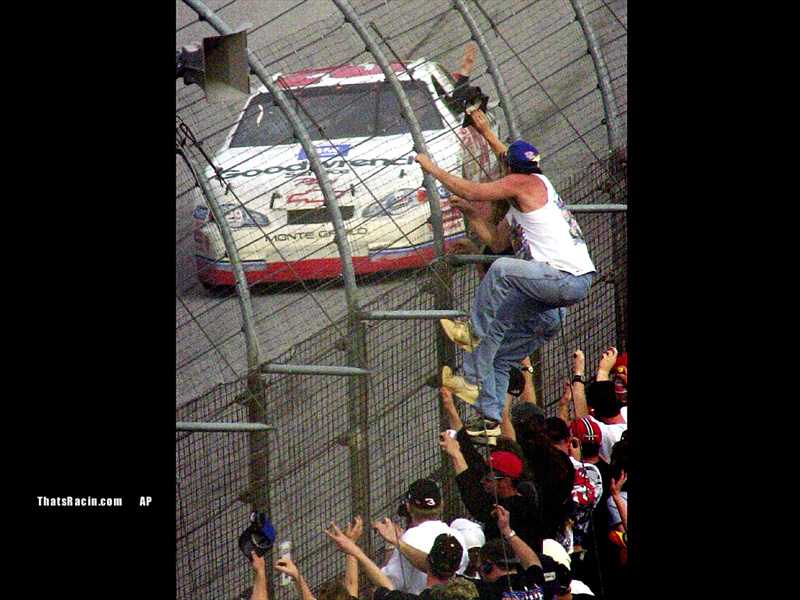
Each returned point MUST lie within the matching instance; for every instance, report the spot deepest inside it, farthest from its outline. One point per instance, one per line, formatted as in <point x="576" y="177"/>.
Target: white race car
<point x="272" y="199"/>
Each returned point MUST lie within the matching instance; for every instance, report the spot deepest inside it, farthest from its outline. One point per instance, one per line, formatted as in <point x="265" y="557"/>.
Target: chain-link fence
<point x="339" y="444"/>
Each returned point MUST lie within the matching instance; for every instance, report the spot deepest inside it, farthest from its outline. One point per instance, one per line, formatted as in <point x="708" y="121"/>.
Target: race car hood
<point x="266" y="179"/>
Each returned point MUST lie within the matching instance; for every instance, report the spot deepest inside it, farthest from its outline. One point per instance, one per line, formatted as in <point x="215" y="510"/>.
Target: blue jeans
<point x="519" y="306"/>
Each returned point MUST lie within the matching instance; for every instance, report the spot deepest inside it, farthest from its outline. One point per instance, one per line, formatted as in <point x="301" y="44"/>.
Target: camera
<point x="465" y="99"/>
<point x="258" y="537"/>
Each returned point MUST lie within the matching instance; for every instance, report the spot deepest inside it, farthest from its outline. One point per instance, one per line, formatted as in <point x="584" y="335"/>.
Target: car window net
<point x="355" y="110"/>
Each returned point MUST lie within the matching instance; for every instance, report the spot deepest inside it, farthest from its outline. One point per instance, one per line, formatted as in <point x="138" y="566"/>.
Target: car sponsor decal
<point x="303" y="167"/>
<point x="328" y="151"/>
<point x="309" y="191"/>
<point x="201" y="212"/>
<point x="310" y="235"/>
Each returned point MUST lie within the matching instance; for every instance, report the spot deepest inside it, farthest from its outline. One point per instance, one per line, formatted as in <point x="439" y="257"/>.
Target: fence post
<point x="416" y="133"/>
<point x="442" y="290"/>
<point x="242" y="288"/>
<point x="603" y="79"/>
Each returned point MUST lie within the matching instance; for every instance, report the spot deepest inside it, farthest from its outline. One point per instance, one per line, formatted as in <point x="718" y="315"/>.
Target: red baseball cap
<point x="586" y="430"/>
<point x="505" y="462"/>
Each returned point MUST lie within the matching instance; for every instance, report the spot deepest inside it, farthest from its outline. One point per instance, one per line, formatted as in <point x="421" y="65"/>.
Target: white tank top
<point x="550" y="234"/>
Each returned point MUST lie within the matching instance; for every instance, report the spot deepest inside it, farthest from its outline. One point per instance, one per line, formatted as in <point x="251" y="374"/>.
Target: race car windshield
<point x="357" y="110"/>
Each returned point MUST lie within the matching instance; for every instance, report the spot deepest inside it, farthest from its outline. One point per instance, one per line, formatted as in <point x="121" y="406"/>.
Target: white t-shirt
<point x="611" y="435"/>
<point x="403" y="575"/>
<point x="550" y="234"/>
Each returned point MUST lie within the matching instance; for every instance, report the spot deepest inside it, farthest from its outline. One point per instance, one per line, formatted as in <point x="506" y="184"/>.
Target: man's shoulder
<point x="428" y="525"/>
<point x="427" y="530"/>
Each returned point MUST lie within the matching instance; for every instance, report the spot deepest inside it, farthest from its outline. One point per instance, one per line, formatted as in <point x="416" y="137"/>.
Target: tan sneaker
<point x="481" y="425"/>
<point x="460" y="334"/>
<point x="459" y="386"/>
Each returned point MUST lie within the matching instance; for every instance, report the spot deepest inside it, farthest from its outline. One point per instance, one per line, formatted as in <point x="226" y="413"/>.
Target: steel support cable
<point x="213" y="348"/>
<point x="208" y="337"/>
<point x="416" y="134"/>
<point x="358" y="177"/>
<point x="447" y="125"/>
<point x="552" y="74"/>
<point x="420" y="146"/>
<point x="473" y="27"/>
<point x="404" y="234"/>
<point x="278" y="16"/>
<point x="201" y="19"/>
<point x="441" y="98"/>
<point x="296" y="49"/>
<point x="600" y="85"/>
<point x="438" y="25"/>
<point x="354" y="338"/>
<point x="319" y="128"/>
<point x="261" y="369"/>
<point x="180" y="150"/>
<point x="613" y="14"/>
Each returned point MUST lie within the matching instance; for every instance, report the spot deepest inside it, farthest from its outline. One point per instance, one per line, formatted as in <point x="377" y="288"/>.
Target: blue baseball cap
<point x="522" y="157"/>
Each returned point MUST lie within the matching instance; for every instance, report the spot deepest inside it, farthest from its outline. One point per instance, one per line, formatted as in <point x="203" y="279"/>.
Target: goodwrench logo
<point x="303" y="167"/>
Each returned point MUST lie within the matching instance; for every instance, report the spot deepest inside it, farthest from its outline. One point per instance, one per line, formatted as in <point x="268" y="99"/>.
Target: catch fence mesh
<point x="323" y="455"/>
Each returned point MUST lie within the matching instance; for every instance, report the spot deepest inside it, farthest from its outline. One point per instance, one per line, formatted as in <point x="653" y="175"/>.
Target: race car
<point x="274" y="205"/>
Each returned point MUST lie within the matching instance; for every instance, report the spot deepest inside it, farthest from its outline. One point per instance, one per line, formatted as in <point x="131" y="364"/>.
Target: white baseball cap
<point x="472" y="532"/>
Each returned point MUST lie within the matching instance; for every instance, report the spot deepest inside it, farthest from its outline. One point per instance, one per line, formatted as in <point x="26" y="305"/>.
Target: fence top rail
<point x="311" y="369"/>
<point x="600" y="208"/>
<point x="196" y="426"/>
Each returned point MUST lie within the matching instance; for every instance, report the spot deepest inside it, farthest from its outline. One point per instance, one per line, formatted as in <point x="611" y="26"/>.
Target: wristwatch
<point x="528" y="369"/>
<point x="578" y="379"/>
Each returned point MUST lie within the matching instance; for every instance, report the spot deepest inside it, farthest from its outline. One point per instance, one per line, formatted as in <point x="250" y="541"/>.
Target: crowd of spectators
<point x="546" y="513"/>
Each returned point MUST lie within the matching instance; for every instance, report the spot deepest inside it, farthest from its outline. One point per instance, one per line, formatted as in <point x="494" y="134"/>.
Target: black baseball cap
<point x="445" y="555"/>
<point x="424" y="493"/>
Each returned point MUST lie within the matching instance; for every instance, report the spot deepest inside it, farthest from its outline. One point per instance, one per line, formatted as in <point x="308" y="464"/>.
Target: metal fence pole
<point x="245" y="301"/>
<point x="408" y="113"/>
<point x="441" y="272"/>
<point x="603" y="79"/>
